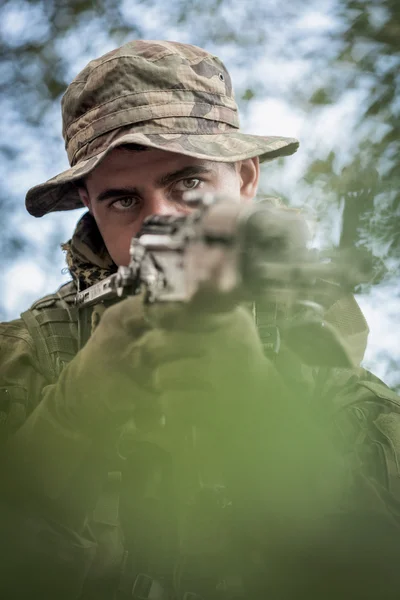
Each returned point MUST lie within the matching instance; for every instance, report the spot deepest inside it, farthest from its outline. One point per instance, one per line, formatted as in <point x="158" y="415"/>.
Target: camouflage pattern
<point x="87" y="257"/>
<point x="164" y="95"/>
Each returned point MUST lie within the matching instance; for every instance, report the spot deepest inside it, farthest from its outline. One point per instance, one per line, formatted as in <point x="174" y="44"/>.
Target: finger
<point x="128" y="315"/>
<point x="187" y="317"/>
<point x="160" y="346"/>
<point x="223" y="334"/>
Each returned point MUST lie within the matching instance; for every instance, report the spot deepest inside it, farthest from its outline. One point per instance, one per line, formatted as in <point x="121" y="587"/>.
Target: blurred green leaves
<point x="367" y="58"/>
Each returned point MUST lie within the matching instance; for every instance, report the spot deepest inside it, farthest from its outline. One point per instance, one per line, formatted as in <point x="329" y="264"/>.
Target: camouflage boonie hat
<point x="164" y="95"/>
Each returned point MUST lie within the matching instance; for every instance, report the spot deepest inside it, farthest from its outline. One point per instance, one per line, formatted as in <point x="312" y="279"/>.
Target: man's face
<point x="128" y="186"/>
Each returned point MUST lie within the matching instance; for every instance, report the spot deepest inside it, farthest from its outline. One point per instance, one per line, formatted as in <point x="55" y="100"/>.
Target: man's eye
<point x="188" y="184"/>
<point x="124" y="203"/>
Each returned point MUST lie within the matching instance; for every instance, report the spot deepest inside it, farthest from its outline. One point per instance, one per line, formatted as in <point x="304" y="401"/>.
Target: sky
<point x="34" y="275"/>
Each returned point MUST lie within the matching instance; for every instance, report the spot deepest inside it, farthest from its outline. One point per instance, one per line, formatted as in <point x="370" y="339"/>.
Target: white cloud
<point x="38" y="231"/>
<point x="382" y="310"/>
<point x="314" y="20"/>
<point x="272" y="116"/>
<point x="25" y="282"/>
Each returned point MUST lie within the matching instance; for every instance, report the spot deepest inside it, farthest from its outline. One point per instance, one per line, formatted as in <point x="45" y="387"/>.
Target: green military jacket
<point x="105" y="552"/>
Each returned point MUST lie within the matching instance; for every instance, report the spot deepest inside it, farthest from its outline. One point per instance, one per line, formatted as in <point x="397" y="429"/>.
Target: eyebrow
<point x="186" y="172"/>
<point x="164" y="180"/>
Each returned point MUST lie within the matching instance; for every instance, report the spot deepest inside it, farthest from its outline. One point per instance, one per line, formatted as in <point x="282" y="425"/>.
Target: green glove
<point x="206" y="366"/>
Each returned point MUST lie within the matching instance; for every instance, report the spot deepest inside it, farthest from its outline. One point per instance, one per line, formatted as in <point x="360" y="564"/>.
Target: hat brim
<point x="61" y="193"/>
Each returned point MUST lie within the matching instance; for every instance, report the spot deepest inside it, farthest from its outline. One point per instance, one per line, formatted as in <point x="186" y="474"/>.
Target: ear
<point x="84" y="196"/>
<point x="249" y="172"/>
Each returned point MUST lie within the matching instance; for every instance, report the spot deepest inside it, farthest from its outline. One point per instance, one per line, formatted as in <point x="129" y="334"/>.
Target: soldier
<point x="100" y="491"/>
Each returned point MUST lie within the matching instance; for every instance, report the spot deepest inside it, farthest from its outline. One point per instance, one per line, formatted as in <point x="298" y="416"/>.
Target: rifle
<point x="226" y="253"/>
<point x="220" y="254"/>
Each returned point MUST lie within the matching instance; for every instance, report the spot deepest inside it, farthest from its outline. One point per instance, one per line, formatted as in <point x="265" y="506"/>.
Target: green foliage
<point x="321" y="96"/>
<point x="367" y="57"/>
<point x="248" y="94"/>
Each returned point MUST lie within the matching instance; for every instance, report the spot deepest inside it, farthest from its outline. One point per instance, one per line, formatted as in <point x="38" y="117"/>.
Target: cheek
<point x="118" y="248"/>
<point x="229" y="185"/>
<point x="117" y="238"/>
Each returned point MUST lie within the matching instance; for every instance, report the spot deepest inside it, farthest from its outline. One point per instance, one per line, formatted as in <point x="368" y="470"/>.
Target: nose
<point x="158" y="203"/>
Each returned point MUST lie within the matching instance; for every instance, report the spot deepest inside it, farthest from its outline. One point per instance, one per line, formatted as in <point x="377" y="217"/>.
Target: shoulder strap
<point x="53" y="325"/>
